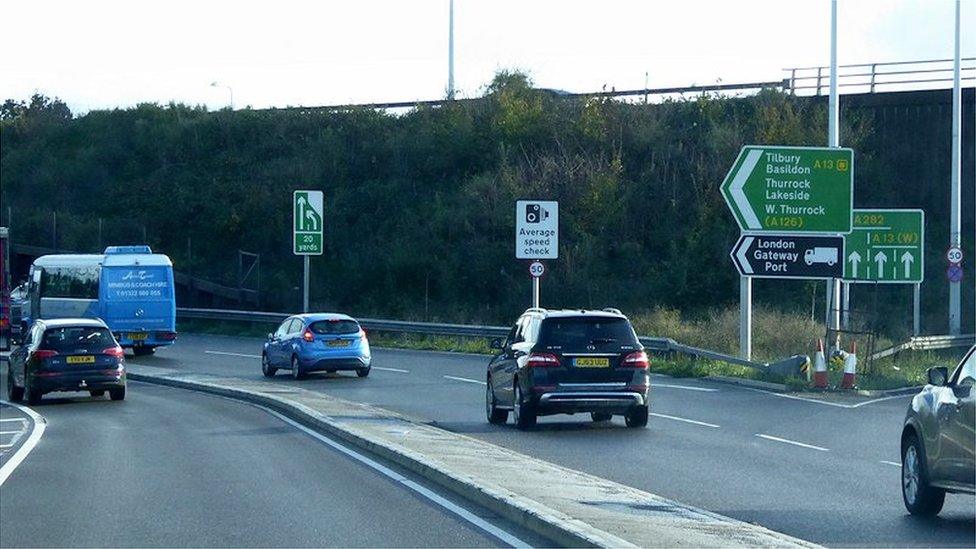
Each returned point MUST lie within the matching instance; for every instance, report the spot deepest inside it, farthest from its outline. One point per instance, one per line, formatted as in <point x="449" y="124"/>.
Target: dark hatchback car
<point x="70" y="354"/>
<point x="567" y="362"/>
<point x="938" y="440"/>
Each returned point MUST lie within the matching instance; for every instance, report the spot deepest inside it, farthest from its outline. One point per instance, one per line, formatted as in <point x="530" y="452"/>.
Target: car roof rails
<point x="535" y="310"/>
<point x="613" y="310"/>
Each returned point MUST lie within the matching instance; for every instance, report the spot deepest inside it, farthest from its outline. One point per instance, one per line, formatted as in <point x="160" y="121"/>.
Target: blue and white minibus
<point x="128" y="287"/>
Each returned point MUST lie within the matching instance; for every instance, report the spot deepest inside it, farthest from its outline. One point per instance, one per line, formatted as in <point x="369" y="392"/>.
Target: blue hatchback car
<point x="316" y="342"/>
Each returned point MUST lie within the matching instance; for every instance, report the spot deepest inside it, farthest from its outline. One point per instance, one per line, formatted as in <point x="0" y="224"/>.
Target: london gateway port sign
<point x="789" y="256"/>
<point x="798" y="190"/>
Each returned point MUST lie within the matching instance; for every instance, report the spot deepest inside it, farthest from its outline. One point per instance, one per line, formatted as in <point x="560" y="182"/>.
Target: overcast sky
<point x="102" y="54"/>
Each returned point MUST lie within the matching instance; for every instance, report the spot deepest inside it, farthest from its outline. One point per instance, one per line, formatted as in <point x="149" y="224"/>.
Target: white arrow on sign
<point x="739" y="196"/>
<point x="854" y="258"/>
<point x="907" y="258"/>
<point x="741" y="254"/>
<point x="881" y="257"/>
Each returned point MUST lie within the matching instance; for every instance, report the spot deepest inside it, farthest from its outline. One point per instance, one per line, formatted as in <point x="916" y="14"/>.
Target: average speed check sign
<point x="536" y="229"/>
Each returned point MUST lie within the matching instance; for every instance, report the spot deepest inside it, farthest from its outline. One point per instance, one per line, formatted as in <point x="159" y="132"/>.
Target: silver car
<point x="938" y="439"/>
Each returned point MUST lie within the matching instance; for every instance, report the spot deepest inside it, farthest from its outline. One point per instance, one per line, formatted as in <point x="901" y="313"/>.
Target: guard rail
<point x="660" y="345"/>
<point x="927" y="343"/>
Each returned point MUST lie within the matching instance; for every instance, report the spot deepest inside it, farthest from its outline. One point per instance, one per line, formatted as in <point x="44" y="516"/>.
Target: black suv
<point x="564" y="362"/>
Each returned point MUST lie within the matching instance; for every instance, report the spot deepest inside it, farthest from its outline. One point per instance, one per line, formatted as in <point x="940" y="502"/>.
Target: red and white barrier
<point x="820" y="367"/>
<point x="850" y="369"/>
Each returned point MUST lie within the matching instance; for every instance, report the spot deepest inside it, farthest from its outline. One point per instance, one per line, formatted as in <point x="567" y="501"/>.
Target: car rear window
<point x="334" y="327"/>
<point x="579" y="333"/>
<point x="77" y="339"/>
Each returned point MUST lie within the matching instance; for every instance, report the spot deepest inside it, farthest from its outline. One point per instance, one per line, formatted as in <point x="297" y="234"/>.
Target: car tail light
<point x="308" y="336"/>
<point x="41" y="354"/>
<point x="116" y="352"/>
<point x="636" y="360"/>
<point x="542" y="360"/>
<point x="166" y="336"/>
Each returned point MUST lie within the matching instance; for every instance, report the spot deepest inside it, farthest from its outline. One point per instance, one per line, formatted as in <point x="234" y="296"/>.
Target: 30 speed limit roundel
<point x="537" y="269"/>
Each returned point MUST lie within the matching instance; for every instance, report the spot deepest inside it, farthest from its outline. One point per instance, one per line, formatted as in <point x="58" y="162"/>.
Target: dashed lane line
<point x="824" y="402"/>
<point x="685" y="420"/>
<point x="685" y="387"/>
<point x="390" y="369"/>
<point x="793" y="442"/>
<point x="886" y="462"/>
<point x="242" y="355"/>
<point x="465" y="380"/>
<point x="12" y="419"/>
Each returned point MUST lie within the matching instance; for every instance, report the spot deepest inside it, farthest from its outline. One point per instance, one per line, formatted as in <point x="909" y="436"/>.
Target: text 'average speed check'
<point x="536" y="229"/>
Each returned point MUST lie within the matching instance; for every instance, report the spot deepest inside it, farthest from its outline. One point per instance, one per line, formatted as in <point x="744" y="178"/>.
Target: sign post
<point x="536" y="237"/>
<point x="308" y="228"/>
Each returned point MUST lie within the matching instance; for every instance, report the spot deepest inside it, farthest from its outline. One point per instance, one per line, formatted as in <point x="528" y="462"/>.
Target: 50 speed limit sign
<point x="537" y="269"/>
<point x="954" y="255"/>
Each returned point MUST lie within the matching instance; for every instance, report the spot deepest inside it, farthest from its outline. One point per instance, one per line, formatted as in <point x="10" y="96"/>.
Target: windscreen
<point x="335" y="327"/>
<point x="77" y="339"/>
<point x="580" y="333"/>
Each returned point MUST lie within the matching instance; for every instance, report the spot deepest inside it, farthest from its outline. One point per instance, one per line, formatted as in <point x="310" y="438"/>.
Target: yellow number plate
<point x="338" y="343"/>
<point x="591" y="362"/>
<point x="137" y="336"/>
<point x="88" y="359"/>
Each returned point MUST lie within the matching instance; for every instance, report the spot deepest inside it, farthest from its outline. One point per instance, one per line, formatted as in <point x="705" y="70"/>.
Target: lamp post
<point x="229" y="90"/>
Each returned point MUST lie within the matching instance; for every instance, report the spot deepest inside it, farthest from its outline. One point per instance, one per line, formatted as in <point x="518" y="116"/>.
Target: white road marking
<point x="793" y="442"/>
<point x="891" y="463"/>
<point x="461" y="512"/>
<point x="702" y="423"/>
<point x="466" y="380"/>
<point x="6" y="445"/>
<point x="39" y="425"/>
<point x="824" y="402"/>
<point x="390" y="369"/>
<point x="20" y="419"/>
<point x="10" y="432"/>
<point x="232" y="354"/>
<point x="685" y="387"/>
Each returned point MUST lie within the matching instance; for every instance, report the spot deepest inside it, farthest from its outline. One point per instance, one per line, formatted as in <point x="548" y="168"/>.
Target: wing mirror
<point x="496" y="343"/>
<point x="270" y="336"/>
<point x="938" y="376"/>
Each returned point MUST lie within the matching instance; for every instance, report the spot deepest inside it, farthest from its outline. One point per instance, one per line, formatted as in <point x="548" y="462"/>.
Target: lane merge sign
<point x="308" y="216"/>
<point x="886" y="246"/>
<point x="789" y="256"/>
<point x="536" y="229"/>
<point x="791" y="190"/>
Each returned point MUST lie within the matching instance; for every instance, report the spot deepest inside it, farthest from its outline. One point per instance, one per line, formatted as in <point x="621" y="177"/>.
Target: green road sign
<point x="791" y="189"/>
<point x="886" y="246"/>
<point x="308" y="225"/>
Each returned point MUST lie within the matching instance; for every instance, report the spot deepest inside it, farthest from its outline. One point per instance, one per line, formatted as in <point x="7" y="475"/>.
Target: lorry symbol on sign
<point x="820" y="255"/>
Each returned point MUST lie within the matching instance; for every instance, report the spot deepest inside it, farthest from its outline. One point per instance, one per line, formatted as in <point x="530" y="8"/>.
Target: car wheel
<point x="637" y="417"/>
<point x="362" y="372"/>
<point x="14" y="393"/>
<point x="143" y="351"/>
<point x="266" y="368"/>
<point x="296" y="368"/>
<point x="495" y="416"/>
<point x="33" y="395"/>
<point x="97" y="393"/>
<point x="117" y="394"/>
<point x="920" y="498"/>
<point x="601" y="416"/>
<point x="524" y="414"/>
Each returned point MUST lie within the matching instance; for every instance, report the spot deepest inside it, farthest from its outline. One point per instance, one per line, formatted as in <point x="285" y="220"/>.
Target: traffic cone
<point x="850" y="369"/>
<point x="819" y="367"/>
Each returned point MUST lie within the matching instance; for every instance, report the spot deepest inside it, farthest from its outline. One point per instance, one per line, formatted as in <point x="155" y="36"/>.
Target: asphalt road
<point x="169" y="467"/>
<point x="822" y="469"/>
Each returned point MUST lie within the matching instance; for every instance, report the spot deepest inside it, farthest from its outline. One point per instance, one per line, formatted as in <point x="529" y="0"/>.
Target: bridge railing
<point x="870" y="77"/>
<point x="661" y="345"/>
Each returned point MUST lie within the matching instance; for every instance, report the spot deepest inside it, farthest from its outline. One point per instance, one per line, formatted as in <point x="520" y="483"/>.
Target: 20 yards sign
<point x="793" y="190"/>
<point x="308" y="225"/>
